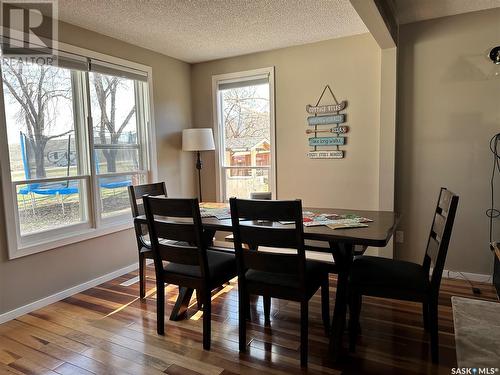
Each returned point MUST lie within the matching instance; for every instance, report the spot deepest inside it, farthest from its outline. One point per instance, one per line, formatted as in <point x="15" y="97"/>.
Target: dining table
<point x="341" y="243"/>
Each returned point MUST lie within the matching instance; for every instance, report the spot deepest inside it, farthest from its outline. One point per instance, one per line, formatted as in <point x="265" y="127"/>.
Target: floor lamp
<point x="198" y="139"/>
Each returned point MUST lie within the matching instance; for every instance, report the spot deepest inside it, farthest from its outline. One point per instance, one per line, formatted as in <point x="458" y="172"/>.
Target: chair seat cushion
<point x="222" y="266"/>
<point x="380" y="276"/>
<point x="315" y="273"/>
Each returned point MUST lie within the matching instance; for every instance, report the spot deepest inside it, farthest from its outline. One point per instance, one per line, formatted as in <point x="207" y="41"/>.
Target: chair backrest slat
<point x="257" y="223"/>
<point x="136" y="192"/>
<point x="181" y="254"/>
<point x="173" y="207"/>
<point x="270" y="262"/>
<point x="176" y="232"/>
<point x="267" y="235"/>
<point x="266" y="210"/>
<point x="439" y="237"/>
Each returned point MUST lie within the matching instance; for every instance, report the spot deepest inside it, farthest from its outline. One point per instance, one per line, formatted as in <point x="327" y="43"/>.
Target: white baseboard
<point x="467" y="276"/>
<point x="12" y="314"/>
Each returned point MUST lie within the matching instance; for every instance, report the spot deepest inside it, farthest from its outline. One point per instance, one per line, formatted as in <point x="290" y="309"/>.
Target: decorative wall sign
<point x="327" y="141"/>
<point x="327" y="115"/>
<point x="323" y="109"/>
<point x="337" y="129"/>
<point x="326" y="120"/>
<point x="339" y="154"/>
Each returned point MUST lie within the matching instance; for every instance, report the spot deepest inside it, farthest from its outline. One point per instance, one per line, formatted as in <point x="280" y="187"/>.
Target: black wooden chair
<point x="271" y="274"/>
<point x="135" y="194"/>
<point x="387" y="278"/>
<point x="176" y="234"/>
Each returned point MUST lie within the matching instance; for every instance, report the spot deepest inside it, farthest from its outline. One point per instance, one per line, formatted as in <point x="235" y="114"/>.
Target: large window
<point x="245" y="133"/>
<point x="77" y="135"/>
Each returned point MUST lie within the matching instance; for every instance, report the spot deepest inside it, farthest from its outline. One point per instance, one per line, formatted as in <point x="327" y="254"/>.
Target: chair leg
<point x="248" y="312"/>
<point x="267" y="310"/>
<point x="142" y="276"/>
<point x="304" y="332"/>
<point x="160" y="307"/>
<point x="242" y="318"/>
<point x="425" y="314"/>
<point x="207" y="319"/>
<point x="325" y="306"/>
<point x="434" y="330"/>
<point x="199" y="299"/>
<point x="355" y="301"/>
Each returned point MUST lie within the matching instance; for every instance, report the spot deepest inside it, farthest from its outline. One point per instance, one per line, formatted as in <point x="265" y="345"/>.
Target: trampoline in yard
<point x="59" y="189"/>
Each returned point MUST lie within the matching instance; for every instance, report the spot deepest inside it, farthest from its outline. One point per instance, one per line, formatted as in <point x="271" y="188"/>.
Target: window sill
<point x="71" y="238"/>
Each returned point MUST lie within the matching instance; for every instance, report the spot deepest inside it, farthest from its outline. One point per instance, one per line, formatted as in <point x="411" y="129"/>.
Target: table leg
<point x="343" y="256"/>
<point x="208" y="236"/>
<point x="182" y="303"/>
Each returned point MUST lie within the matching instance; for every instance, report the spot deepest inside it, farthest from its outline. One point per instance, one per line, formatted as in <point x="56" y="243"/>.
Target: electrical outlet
<point x="400" y="236"/>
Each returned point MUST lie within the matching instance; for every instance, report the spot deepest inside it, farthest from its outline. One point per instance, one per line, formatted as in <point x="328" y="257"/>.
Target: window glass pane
<point x="246" y="139"/>
<point x="241" y="182"/>
<point x="246" y="122"/>
<point x="116" y="160"/>
<point x="40" y="123"/>
<point x="51" y="205"/>
<point x="113" y="109"/>
<point x="113" y="193"/>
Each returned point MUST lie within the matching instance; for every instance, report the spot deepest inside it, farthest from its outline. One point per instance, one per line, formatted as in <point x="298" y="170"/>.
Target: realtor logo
<point x="29" y="29"/>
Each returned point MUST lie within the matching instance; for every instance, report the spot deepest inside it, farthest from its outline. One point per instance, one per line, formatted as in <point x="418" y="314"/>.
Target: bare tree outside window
<point x="246" y="113"/>
<point x="113" y="116"/>
<point x="38" y="90"/>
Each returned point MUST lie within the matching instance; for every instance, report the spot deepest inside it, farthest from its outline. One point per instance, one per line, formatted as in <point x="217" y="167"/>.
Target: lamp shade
<point x="198" y="139"/>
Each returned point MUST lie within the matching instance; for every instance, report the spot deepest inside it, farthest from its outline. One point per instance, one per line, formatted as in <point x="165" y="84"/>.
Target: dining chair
<point x="135" y="194"/>
<point x="396" y="279"/>
<point x="176" y="234"/>
<point x="271" y="274"/>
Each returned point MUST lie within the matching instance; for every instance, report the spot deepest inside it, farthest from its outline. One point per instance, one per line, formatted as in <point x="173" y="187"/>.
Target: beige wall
<point x="449" y="108"/>
<point x="33" y="277"/>
<point x="352" y="68"/>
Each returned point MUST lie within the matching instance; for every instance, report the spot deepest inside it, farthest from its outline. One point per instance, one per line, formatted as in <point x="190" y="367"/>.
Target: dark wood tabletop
<point x="377" y="234"/>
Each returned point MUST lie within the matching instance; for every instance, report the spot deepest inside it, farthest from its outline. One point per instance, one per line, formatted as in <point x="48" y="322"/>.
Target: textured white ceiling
<point x="201" y="30"/>
<point x="419" y="10"/>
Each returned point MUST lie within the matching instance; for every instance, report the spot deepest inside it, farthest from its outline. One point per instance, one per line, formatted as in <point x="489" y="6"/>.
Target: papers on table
<point x="334" y="221"/>
<point x="217" y="210"/>
<point x="347" y="225"/>
<point x="310" y="219"/>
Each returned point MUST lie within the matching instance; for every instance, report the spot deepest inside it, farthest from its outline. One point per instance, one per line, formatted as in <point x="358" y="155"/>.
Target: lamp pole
<point x="199" y="165"/>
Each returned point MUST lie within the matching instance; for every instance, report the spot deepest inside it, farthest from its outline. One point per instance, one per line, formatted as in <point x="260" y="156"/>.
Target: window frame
<point x="219" y="133"/>
<point x="95" y="226"/>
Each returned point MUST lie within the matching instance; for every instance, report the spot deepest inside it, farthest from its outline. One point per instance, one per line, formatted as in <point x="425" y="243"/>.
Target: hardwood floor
<point x="108" y="330"/>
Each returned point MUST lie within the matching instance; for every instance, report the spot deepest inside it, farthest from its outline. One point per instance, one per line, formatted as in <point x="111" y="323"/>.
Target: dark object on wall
<point x="494" y="55"/>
